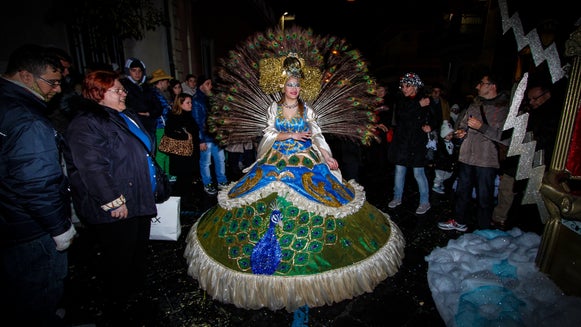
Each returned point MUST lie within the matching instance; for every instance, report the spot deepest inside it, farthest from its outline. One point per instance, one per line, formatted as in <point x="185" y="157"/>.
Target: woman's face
<point x="408" y="90"/>
<point x="381" y="92"/>
<point x="187" y="104"/>
<point x="115" y="97"/>
<point x="177" y="89"/>
<point x="292" y="88"/>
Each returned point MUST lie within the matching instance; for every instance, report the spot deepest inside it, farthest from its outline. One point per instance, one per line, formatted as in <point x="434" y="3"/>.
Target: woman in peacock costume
<point x="291" y="232"/>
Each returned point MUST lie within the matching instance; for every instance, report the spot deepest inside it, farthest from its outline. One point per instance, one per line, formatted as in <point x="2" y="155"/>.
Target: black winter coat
<point x="408" y="147"/>
<point x="34" y="197"/>
<point x="174" y="128"/>
<point x="104" y="161"/>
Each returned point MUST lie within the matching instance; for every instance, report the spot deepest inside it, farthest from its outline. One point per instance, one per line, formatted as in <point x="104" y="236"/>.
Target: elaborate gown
<point x="291" y="232"/>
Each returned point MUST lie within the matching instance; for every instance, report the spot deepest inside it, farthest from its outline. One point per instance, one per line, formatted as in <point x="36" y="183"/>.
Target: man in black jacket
<point x="35" y="224"/>
<point x="141" y="98"/>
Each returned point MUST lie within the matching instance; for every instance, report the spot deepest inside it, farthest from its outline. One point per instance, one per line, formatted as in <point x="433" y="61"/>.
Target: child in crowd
<point x="446" y="157"/>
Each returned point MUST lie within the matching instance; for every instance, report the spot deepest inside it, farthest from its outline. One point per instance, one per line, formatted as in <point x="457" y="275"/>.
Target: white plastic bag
<point x="166" y="225"/>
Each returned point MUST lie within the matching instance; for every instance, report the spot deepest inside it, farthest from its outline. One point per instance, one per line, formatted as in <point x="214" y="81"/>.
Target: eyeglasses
<point x="538" y="96"/>
<point x="484" y="83"/>
<point x="118" y="91"/>
<point x="51" y="82"/>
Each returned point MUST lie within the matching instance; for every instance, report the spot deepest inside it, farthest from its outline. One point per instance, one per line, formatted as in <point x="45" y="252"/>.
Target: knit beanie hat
<point x="411" y="79"/>
<point x="446" y="129"/>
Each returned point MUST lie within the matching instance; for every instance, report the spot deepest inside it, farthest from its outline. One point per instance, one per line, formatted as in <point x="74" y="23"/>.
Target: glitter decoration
<point x="532" y="39"/>
<point x="526" y="150"/>
<point x="267" y="254"/>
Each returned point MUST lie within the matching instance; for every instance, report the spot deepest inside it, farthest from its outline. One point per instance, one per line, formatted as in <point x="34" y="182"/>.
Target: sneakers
<point x="423" y="208"/>
<point x="452" y="225"/>
<point x="438" y="189"/>
<point x="222" y="186"/>
<point x="394" y="203"/>
<point x="210" y="189"/>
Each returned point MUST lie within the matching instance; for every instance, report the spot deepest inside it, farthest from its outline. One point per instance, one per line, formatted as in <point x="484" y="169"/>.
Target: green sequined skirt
<point x="324" y="259"/>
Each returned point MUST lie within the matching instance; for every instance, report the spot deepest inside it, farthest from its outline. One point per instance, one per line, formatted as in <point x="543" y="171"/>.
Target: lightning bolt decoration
<point x="532" y="39"/>
<point x="518" y="146"/>
<point x="526" y="149"/>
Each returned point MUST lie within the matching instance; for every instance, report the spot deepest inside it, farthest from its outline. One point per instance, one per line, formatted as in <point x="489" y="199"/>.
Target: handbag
<point x="166" y="225"/>
<point x="178" y="147"/>
<point x="163" y="186"/>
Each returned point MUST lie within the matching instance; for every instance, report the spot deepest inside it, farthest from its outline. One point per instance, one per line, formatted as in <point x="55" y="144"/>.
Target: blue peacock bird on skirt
<point x="267" y="253"/>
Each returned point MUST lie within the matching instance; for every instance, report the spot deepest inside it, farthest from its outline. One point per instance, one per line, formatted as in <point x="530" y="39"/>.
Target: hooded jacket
<point x="34" y="196"/>
<point x="478" y="147"/>
<point x="135" y="61"/>
<point x="141" y="97"/>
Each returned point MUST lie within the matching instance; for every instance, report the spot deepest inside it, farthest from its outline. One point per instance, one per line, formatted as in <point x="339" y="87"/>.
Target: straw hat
<point x="159" y="75"/>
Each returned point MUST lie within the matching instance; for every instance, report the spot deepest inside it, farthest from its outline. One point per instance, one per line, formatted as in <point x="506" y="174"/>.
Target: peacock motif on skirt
<point x="337" y="85"/>
<point x="267" y="253"/>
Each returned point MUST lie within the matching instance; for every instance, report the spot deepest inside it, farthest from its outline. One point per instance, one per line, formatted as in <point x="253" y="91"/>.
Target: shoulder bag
<point x="178" y="147"/>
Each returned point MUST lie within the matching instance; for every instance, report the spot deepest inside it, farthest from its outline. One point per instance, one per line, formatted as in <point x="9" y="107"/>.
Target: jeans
<point x="441" y="177"/>
<point x="216" y="153"/>
<point x="483" y="179"/>
<point x="32" y="278"/>
<point x="421" y="179"/>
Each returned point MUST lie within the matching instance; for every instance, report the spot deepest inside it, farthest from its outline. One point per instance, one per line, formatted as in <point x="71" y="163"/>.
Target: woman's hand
<point x="300" y="136"/>
<point x="203" y="147"/>
<point x="333" y="164"/>
<point x="120" y="212"/>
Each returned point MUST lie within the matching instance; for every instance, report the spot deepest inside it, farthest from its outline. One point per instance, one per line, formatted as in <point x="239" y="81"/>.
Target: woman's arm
<point x="319" y="140"/>
<point x="299" y="136"/>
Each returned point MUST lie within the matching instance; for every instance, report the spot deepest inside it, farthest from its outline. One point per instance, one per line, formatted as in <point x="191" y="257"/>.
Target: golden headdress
<point x="335" y="83"/>
<point x="275" y="71"/>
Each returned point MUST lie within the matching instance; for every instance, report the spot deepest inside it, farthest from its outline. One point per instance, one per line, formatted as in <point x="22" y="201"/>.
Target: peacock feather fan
<point x="342" y="95"/>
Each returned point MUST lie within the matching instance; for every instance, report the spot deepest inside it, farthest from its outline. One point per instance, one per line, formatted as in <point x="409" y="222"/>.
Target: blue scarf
<point x="144" y="138"/>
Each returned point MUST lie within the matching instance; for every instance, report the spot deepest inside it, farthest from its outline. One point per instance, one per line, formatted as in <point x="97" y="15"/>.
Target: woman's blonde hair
<point x="177" y="103"/>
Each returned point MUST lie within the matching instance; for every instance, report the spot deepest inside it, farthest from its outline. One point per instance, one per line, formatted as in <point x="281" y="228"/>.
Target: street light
<point x="284" y="18"/>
